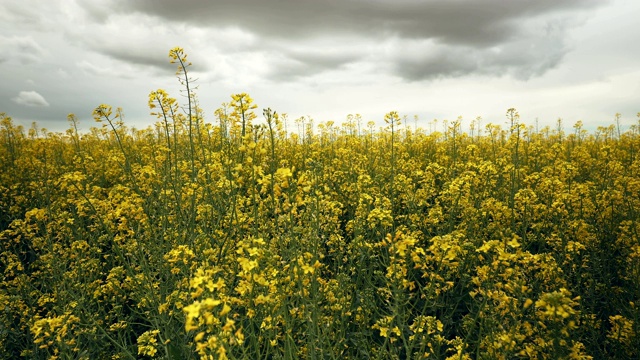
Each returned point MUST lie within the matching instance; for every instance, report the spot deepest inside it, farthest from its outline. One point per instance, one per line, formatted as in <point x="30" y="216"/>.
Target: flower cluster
<point x="251" y="238"/>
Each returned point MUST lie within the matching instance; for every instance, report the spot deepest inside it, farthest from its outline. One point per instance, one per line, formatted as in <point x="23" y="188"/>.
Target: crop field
<point x="253" y="236"/>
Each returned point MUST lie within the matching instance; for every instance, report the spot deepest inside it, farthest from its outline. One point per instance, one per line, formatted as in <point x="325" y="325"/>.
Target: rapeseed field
<point x="240" y="239"/>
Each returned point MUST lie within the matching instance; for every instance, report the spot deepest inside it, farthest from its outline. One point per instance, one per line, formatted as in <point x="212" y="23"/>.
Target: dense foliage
<point x="241" y="239"/>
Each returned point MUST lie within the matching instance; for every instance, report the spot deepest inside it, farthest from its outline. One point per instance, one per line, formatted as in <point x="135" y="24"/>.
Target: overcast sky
<point x="438" y="59"/>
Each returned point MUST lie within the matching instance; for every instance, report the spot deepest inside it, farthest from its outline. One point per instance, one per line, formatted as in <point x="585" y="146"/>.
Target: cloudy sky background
<point x="438" y="59"/>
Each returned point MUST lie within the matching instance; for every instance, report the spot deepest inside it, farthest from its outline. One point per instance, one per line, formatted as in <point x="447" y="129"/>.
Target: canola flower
<point x="242" y="238"/>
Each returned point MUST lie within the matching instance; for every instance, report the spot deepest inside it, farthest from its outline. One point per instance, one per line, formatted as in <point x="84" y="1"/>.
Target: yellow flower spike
<point x="209" y="319"/>
<point x="396" y="330"/>
<point x="451" y="255"/>
<point x="513" y="243"/>
<point x="192" y="312"/>
<point x="210" y="303"/>
<point x="199" y="337"/>
<point x="177" y="54"/>
<point x="102" y="111"/>
<point x="147" y="343"/>
<point x="527" y="303"/>
<point x="225" y="310"/>
<point x="229" y="325"/>
<point x="222" y="353"/>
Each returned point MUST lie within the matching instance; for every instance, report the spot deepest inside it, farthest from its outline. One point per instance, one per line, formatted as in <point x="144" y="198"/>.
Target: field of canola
<point x="242" y="239"/>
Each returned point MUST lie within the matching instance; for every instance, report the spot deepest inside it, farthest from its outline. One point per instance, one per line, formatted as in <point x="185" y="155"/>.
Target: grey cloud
<point x="27" y="14"/>
<point x="154" y="59"/>
<point x="463" y="34"/>
<point x="469" y="22"/>
<point x="532" y="54"/>
<point x="30" y="98"/>
<point x="98" y="11"/>
<point x="95" y="70"/>
<point x="449" y="62"/>
<point x="291" y="69"/>
<point x="294" y="61"/>
<point x="22" y="49"/>
<point x="135" y="41"/>
<point x="325" y="57"/>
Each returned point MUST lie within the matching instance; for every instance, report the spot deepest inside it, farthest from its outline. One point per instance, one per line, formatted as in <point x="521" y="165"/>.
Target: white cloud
<point x="30" y="98"/>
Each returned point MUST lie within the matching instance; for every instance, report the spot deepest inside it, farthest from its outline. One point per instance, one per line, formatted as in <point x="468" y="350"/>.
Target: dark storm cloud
<point x="466" y="36"/>
<point x="529" y="55"/>
<point x="469" y="22"/>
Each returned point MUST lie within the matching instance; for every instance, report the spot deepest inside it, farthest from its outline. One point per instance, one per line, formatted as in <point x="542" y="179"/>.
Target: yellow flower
<point x="225" y="310"/>
<point x="527" y="303"/>
<point x="147" y="343"/>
